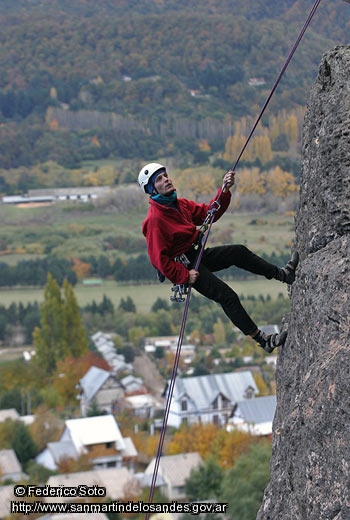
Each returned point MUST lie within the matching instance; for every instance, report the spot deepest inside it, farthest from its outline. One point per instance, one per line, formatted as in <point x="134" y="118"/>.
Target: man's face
<point x="163" y="184"/>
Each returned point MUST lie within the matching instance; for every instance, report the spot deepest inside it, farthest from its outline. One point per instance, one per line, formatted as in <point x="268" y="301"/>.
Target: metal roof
<point x="258" y="410"/>
<point x="61" y="450"/>
<point x="202" y="390"/>
<point x="92" y="381"/>
<point x="175" y="469"/>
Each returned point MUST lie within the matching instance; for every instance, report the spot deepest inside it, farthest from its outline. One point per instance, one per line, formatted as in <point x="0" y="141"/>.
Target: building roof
<point x="9" y="463"/>
<point x="258" y="410"/>
<point x="129" y="451"/>
<point x="175" y="469"/>
<point x="92" y="381"/>
<point x="10" y="413"/>
<point x="6" y="495"/>
<point x="62" y="450"/>
<point x="202" y="390"/>
<point x="104" y="344"/>
<point x="94" y="430"/>
<point x="114" y="480"/>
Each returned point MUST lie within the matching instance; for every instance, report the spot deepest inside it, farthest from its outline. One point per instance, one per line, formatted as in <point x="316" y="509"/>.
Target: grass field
<point x="26" y="233"/>
<point x="143" y="295"/>
<point x="30" y="232"/>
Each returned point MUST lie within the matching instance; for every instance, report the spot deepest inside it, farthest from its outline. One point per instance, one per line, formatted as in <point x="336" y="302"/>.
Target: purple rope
<point x="199" y="257"/>
<point x="169" y="397"/>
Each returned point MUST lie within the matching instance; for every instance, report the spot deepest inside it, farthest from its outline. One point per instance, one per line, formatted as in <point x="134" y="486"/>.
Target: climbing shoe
<point x="286" y="274"/>
<point x="270" y="341"/>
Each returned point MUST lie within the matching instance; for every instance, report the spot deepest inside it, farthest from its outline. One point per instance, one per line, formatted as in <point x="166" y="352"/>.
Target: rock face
<point x="310" y="477"/>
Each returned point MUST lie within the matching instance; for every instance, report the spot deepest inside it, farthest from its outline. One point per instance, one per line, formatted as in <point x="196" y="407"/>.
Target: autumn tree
<point x="45" y="428"/>
<point x="250" y="181"/>
<point x="61" y="332"/>
<point x="199" y="437"/>
<point x="280" y="183"/>
<point x="68" y="374"/>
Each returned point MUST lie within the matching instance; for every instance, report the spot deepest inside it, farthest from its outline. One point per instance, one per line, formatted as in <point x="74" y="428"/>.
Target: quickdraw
<point x="180" y="290"/>
<point x="215" y="206"/>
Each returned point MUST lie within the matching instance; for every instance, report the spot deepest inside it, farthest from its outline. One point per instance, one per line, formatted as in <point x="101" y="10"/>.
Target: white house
<point x="209" y="399"/>
<point x="100" y="387"/>
<point x="174" y="470"/>
<point x="98" y="437"/>
<point x="255" y="415"/>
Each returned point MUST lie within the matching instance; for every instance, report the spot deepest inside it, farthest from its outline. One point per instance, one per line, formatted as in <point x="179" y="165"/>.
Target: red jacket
<point x="170" y="231"/>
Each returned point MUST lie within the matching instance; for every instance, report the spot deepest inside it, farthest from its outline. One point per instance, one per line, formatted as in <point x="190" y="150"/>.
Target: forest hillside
<point x="139" y="79"/>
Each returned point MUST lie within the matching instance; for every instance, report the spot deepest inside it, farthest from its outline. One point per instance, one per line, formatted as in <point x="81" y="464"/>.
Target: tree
<point x="280" y="183"/>
<point x="243" y="485"/>
<point x="68" y="374"/>
<point x="49" y="339"/>
<point x="45" y="428"/>
<point x="61" y="332"/>
<point x="127" y="305"/>
<point x="75" y="333"/>
<point x="22" y="443"/>
<point x="205" y="482"/>
<point x="199" y="437"/>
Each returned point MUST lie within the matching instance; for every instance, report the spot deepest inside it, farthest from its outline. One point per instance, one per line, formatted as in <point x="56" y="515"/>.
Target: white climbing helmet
<point x="147" y="172"/>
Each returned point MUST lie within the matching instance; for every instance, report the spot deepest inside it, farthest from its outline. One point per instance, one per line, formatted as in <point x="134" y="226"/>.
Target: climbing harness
<point x="205" y="229"/>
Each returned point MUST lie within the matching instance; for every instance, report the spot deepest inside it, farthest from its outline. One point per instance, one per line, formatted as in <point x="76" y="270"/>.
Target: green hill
<point x="171" y="72"/>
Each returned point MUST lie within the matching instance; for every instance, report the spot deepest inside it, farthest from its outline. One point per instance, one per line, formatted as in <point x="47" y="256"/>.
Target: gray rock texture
<point x="311" y="435"/>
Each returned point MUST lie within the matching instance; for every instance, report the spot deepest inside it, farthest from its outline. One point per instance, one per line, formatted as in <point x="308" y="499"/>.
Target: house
<point x="209" y="399"/>
<point x="175" y="470"/>
<point x="255" y="415"/>
<point x="133" y="385"/>
<point x="104" y="344"/>
<point x="10" y="468"/>
<point x="143" y="405"/>
<point x="115" y="480"/>
<point x="98" y="437"/>
<point x="101" y="388"/>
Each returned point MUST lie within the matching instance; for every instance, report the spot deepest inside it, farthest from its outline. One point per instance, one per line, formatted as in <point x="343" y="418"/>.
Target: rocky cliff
<point x="311" y="440"/>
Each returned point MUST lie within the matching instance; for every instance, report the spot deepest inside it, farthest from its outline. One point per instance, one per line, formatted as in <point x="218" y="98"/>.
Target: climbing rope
<point x="207" y="228"/>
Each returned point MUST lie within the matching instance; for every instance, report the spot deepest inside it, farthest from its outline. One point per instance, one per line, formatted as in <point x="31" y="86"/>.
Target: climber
<point x="172" y="235"/>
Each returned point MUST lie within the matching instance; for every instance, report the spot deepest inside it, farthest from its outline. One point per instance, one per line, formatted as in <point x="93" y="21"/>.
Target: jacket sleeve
<point x="160" y="258"/>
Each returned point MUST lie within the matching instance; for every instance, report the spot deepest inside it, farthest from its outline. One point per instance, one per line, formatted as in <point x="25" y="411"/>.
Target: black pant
<point x="217" y="258"/>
